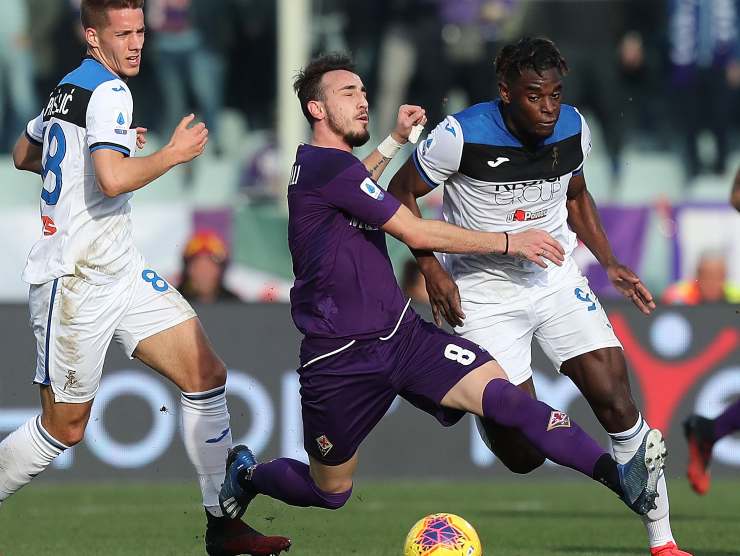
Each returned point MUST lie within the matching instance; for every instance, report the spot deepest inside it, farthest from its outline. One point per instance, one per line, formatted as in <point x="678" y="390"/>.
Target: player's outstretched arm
<point x="27" y="155"/>
<point x="735" y="195"/>
<point x="444" y="296"/>
<point x="117" y="174"/>
<point x="583" y="218"/>
<point x="408" y="117"/>
<point x="435" y="235"/>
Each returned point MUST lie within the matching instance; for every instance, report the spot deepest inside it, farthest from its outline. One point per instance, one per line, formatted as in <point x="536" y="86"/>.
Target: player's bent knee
<point x="69" y="435"/>
<point x="208" y="375"/>
<point x="217" y="373"/>
<point x="335" y="500"/>
<point x="335" y="485"/>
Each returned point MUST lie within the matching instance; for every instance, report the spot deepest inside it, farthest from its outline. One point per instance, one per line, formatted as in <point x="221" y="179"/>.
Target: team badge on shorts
<point x="324" y="445"/>
<point x="72" y="380"/>
<point x="558" y="419"/>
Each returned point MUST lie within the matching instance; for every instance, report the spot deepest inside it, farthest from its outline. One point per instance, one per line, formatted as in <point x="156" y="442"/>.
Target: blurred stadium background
<point x="661" y="92"/>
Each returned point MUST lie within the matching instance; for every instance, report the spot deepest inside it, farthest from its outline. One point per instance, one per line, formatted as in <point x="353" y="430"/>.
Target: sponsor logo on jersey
<point x="498" y="162"/>
<point x="520" y="215"/>
<point x="119" y="89"/>
<point x="324" y="445"/>
<point x="360" y="225"/>
<point x="448" y="127"/>
<point x="526" y="191"/>
<point x="121" y="131"/>
<point x="372" y="189"/>
<point x="558" y="419"/>
<point x="50" y="228"/>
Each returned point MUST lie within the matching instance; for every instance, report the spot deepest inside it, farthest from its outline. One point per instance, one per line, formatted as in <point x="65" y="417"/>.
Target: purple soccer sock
<point x="552" y="432"/>
<point x="728" y="422"/>
<point x="289" y="480"/>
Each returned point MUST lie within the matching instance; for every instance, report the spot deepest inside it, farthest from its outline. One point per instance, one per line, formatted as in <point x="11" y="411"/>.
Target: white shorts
<point x="567" y="320"/>
<point x="74" y="322"/>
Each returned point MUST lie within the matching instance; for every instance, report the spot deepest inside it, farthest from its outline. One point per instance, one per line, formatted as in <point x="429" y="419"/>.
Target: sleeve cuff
<point x="422" y="173"/>
<point x="112" y="146"/>
<point x="33" y="140"/>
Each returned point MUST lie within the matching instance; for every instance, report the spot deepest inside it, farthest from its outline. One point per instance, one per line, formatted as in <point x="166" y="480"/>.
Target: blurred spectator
<point x="618" y="34"/>
<point x="190" y="45"/>
<point x="205" y="260"/>
<point x="703" y="53"/>
<point x="709" y="286"/>
<point x="434" y="46"/>
<point x="48" y="18"/>
<point x="473" y="31"/>
<point x="365" y="26"/>
<point x="261" y="177"/>
<point x="253" y="62"/>
<point x="16" y="71"/>
<point x="413" y="283"/>
<point x="735" y="194"/>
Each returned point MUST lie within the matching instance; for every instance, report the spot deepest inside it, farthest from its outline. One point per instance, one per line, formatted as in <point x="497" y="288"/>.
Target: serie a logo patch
<point x="372" y="189"/>
<point x="558" y="419"/>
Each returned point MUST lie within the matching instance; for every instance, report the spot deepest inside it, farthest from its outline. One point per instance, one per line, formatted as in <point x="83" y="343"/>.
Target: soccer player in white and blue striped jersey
<point x="514" y="164"/>
<point x="89" y="284"/>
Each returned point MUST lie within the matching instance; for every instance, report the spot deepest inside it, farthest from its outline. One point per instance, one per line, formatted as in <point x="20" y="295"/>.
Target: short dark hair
<point x="94" y="13"/>
<point x="538" y="54"/>
<point x="307" y="83"/>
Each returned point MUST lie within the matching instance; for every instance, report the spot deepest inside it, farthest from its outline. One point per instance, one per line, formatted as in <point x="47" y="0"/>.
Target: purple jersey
<point x="344" y="282"/>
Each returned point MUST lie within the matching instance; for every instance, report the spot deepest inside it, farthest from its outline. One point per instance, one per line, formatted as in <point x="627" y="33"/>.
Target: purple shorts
<point x="343" y="396"/>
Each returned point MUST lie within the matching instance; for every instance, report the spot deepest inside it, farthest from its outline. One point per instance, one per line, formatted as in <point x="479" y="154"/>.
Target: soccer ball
<point x="442" y="535"/>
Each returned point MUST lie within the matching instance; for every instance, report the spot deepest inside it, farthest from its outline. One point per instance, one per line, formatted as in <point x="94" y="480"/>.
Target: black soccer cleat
<point x="236" y="491"/>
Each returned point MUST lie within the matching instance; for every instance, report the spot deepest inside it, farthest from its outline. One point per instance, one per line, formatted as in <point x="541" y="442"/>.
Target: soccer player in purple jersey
<point x="702" y="434"/>
<point x="363" y="345"/>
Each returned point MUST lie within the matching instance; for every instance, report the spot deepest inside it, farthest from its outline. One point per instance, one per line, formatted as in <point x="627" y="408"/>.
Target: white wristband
<point x="389" y="147"/>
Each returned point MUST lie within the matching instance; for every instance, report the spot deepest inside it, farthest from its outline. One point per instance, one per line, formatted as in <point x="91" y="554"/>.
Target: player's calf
<point x="206" y="433"/>
<point x="510" y="447"/>
<point x="25" y="453"/>
<point x="284" y="479"/>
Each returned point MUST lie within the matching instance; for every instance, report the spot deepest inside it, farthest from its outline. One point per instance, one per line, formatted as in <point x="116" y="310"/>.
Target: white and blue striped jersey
<point x="85" y="233"/>
<point x="493" y="183"/>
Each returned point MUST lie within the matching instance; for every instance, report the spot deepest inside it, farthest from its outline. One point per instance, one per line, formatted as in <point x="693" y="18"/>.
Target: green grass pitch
<point x="542" y="517"/>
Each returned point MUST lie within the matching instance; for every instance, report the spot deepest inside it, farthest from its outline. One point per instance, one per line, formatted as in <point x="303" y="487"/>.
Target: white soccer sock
<point x="657" y="522"/>
<point x="25" y="453"/>
<point x="207" y="437"/>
